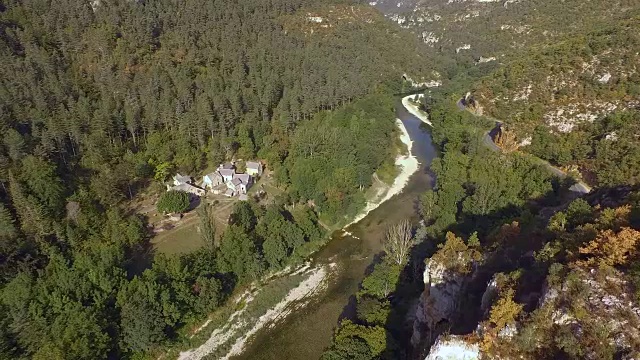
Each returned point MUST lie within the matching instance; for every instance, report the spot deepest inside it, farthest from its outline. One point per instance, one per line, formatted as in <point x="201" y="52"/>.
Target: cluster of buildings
<point x="225" y="180"/>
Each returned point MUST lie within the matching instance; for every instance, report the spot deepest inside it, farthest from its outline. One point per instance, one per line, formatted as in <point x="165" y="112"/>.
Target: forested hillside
<point x="506" y="262"/>
<point x="552" y="277"/>
<point x="580" y="79"/>
<point x="101" y="100"/>
<point x="472" y="31"/>
<point x="574" y="102"/>
<point x="552" y="72"/>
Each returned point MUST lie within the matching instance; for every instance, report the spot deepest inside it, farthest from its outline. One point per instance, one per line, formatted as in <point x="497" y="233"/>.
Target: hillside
<point x="484" y="30"/>
<point x="103" y="101"/>
<point x="552" y="277"/>
<point x="555" y="73"/>
<point x="566" y="83"/>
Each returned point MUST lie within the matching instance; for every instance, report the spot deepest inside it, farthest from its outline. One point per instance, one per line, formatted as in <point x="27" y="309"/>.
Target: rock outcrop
<point x="608" y="301"/>
<point x="445" y="278"/>
<point x="453" y="348"/>
<point x="439" y="300"/>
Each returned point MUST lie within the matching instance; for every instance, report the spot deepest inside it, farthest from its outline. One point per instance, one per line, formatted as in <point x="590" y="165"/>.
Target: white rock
<point x="605" y="78"/>
<point x="429" y="37"/>
<point x="508" y="332"/>
<point x="486" y="59"/>
<point x="526" y="141"/>
<point x="453" y="348"/>
<point x="463" y="47"/>
<point x="611" y="137"/>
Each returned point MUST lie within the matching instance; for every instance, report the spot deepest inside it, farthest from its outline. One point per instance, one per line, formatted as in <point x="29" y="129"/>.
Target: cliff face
<point x="576" y="297"/>
<point x="439" y="299"/>
<point x="593" y="309"/>
<point x="445" y="277"/>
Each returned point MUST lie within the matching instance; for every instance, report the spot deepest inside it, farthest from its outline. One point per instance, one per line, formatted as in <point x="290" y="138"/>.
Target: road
<point x="488" y="137"/>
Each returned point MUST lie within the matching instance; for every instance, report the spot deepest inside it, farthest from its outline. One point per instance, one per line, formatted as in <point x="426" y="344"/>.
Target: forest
<point x="101" y="101"/>
<point x="562" y="84"/>
<point x="606" y="151"/>
<point x="520" y="247"/>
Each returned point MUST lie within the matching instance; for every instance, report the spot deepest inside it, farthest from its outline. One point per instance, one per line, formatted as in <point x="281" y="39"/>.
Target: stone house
<point x="240" y="183"/>
<point x="212" y="180"/>
<point x="181" y="179"/>
<point x="227" y="174"/>
<point x="254" y="168"/>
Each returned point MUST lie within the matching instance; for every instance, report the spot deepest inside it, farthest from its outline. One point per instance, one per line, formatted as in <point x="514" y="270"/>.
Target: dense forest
<point x="102" y="100"/>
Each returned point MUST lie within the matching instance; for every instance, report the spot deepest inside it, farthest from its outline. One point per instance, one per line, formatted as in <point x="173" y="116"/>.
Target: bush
<point x="173" y="202"/>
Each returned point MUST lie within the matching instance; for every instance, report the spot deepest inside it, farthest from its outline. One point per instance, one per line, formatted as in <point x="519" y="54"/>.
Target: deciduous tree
<point x="173" y="201"/>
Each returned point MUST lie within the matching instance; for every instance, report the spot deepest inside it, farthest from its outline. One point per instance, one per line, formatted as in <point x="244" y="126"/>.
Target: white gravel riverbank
<point x="315" y="282"/>
<point x="408" y="165"/>
<point x="414" y="110"/>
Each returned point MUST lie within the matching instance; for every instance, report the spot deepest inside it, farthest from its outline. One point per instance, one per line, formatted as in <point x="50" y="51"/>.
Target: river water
<point x="305" y="333"/>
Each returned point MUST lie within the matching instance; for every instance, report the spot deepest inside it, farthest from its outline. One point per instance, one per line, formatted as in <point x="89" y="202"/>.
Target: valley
<point x="320" y="179"/>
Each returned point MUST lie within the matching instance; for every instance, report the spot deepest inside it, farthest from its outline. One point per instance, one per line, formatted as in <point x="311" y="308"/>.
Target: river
<point x="305" y="333"/>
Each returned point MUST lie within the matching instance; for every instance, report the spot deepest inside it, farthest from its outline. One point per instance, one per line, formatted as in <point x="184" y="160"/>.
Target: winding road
<point x="579" y="187"/>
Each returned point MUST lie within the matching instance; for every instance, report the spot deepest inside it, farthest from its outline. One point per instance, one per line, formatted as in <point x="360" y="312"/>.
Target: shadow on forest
<point x="505" y="256"/>
<point x="142" y="254"/>
<point x="350" y="310"/>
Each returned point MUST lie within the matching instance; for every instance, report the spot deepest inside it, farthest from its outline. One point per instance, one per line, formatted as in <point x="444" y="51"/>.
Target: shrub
<point x="173" y="202"/>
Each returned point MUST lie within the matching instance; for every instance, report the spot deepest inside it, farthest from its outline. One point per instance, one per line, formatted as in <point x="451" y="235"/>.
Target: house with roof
<point x="240" y="183"/>
<point x="227" y="166"/>
<point x="212" y="180"/>
<point x="227" y="174"/>
<point x="181" y="179"/>
<point x="254" y="168"/>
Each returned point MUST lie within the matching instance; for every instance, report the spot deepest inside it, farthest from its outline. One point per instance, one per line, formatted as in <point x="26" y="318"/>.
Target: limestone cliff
<point x="445" y="277"/>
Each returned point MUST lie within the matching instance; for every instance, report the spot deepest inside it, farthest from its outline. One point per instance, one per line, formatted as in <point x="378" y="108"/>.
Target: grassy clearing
<point x="182" y="239"/>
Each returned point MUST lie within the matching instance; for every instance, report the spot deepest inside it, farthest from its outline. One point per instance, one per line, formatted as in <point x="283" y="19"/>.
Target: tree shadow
<point x="194" y="202"/>
<point x="349" y="311"/>
<point x="502" y="256"/>
<point x="140" y="256"/>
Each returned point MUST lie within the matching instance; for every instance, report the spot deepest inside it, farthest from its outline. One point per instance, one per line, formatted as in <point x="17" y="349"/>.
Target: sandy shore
<point x="408" y="164"/>
<point x="414" y="109"/>
<point x="314" y="283"/>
